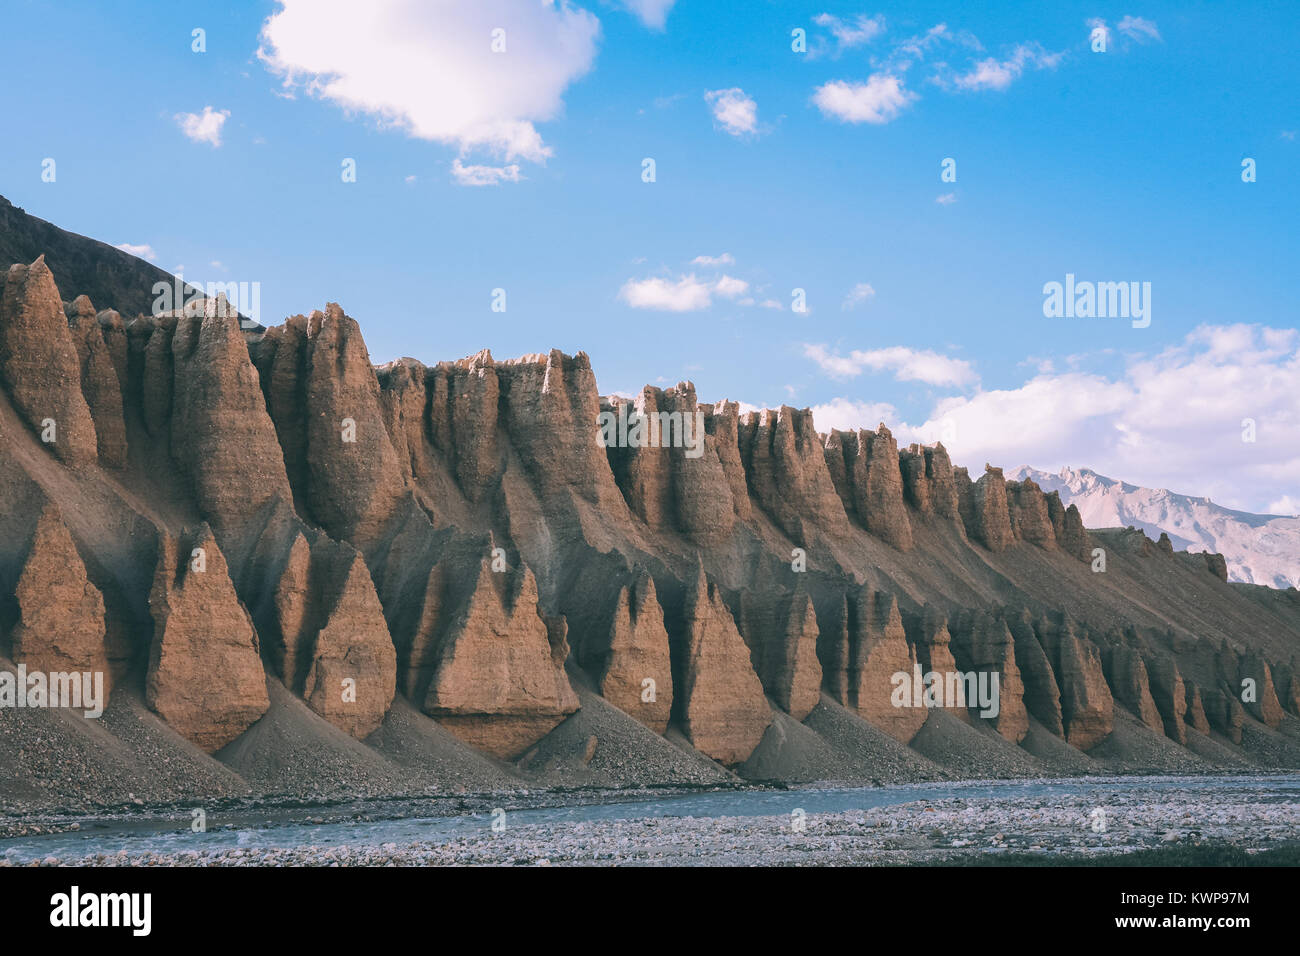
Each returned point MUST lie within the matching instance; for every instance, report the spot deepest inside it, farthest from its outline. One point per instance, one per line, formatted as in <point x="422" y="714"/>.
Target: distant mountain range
<point x="1259" y="549"/>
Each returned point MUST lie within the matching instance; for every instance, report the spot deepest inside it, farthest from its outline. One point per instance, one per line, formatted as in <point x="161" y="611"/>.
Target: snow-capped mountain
<point x="1259" y="549"/>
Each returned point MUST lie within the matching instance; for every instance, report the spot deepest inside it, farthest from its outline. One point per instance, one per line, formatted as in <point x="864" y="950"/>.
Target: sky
<point x="857" y="209"/>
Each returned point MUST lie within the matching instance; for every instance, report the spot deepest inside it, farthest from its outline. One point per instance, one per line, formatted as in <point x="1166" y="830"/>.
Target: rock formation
<point x="638" y="652"/>
<point x="864" y="467"/>
<point x="724" y="712"/>
<point x="60" y="627"/>
<point x="1087" y="706"/>
<point x="879" y="651"/>
<point x="39" y="365"/>
<point x="496" y="685"/>
<point x="992" y="517"/>
<point x="205" y="677"/>
<point x="781" y="631"/>
<point x="100" y="384"/>
<point x="1042" y="694"/>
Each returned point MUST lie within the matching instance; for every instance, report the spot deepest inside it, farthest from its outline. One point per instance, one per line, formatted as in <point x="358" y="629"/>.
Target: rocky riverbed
<point x="1085" y="819"/>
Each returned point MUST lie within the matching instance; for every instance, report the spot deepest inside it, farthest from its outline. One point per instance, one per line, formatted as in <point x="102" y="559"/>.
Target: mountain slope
<point x="1259" y="549"/>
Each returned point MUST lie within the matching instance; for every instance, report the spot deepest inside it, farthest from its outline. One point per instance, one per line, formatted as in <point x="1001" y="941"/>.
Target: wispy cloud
<point x="908" y="365"/>
<point x="859" y="294"/>
<point x="946" y="199"/>
<point x="483" y="175"/>
<point x="1136" y="28"/>
<point x="142" y="251"/>
<point x="995" y="74"/>
<point x="726" y="259"/>
<point x="851" y="33"/>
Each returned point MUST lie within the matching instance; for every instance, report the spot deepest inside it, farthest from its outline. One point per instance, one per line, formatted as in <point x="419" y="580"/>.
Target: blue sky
<point x="777" y="170"/>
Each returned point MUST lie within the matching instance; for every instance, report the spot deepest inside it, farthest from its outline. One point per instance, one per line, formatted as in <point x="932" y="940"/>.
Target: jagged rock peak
<point x="39" y="364"/>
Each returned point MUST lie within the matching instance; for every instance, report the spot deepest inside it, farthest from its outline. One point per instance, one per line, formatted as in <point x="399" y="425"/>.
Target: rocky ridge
<point x="455" y="535"/>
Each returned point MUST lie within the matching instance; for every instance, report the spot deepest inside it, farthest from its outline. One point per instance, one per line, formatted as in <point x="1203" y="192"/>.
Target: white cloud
<point x="687" y="294"/>
<point x="484" y="175"/>
<point x="1173" y="419"/>
<point x="1138" y="29"/>
<point x="142" y="251"/>
<point x="732" y="110"/>
<point x="878" y="100"/>
<point x="651" y="13"/>
<point x="725" y="259"/>
<point x="947" y="199"/>
<point x="203" y="127"/>
<point x="1286" y="505"/>
<point x="428" y="67"/>
<point x="908" y="365"/>
<point x="995" y="74"/>
<point x="730" y="288"/>
<point x="861" y="30"/>
<point x="857" y="295"/>
<point x="845" y="414"/>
